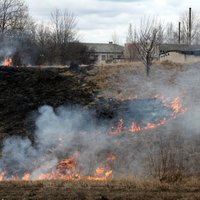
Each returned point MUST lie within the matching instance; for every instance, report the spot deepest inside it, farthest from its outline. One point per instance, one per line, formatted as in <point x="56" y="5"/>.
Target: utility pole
<point x="179" y="33"/>
<point x="190" y="27"/>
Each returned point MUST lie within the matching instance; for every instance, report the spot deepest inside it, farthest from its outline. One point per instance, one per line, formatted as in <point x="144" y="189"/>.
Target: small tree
<point x="148" y="40"/>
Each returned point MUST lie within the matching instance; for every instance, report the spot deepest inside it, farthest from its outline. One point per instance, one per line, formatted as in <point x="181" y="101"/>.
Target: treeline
<point x="40" y="44"/>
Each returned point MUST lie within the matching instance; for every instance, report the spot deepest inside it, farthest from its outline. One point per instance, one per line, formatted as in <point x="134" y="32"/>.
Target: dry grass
<point x="167" y="64"/>
<point x="105" y="190"/>
<point x="116" y="81"/>
<point x="128" y="80"/>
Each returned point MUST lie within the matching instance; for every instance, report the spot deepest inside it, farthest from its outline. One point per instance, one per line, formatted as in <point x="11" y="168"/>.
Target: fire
<point x="118" y="130"/>
<point x="70" y="167"/>
<point x="2" y="176"/>
<point x="26" y="176"/>
<point x="135" y="128"/>
<point x="99" y="171"/>
<point x="67" y="169"/>
<point x="175" y="105"/>
<point x="101" y="174"/>
<point x="8" y="62"/>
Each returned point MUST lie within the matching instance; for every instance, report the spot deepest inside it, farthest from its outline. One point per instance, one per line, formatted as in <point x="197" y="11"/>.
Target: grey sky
<point x="98" y="19"/>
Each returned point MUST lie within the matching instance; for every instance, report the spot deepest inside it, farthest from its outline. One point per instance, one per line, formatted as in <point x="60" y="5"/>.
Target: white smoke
<point x="58" y="134"/>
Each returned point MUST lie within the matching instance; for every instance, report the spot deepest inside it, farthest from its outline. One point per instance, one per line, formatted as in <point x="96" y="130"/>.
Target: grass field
<point x="119" y="81"/>
<point x="109" y="190"/>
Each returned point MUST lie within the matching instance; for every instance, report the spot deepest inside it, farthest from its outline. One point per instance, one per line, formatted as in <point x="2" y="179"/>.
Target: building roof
<point x="105" y="47"/>
<point x="179" y="48"/>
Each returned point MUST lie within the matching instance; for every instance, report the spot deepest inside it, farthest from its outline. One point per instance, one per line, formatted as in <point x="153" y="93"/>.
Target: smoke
<point x="59" y="133"/>
<point x="8" y="47"/>
<point x="74" y="131"/>
<point x="18" y="47"/>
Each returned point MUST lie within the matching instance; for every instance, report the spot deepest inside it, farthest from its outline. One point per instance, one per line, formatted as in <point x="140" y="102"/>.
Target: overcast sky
<point x="99" y="19"/>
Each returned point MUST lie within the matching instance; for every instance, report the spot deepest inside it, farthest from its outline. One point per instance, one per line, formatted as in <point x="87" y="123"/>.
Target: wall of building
<point x="180" y="58"/>
<point x="107" y="57"/>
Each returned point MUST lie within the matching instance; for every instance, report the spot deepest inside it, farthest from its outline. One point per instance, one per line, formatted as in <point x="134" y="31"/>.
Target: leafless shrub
<point x="149" y="37"/>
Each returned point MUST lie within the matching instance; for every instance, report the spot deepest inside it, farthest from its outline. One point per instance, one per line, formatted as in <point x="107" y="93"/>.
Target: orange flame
<point x="67" y="170"/>
<point x="135" y="128"/>
<point x="101" y="174"/>
<point x="2" y="176"/>
<point x="175" y="105"/>
<point x="26" y="176"/>
<point x="8" y="62"/>
<point x="118" y="130"/>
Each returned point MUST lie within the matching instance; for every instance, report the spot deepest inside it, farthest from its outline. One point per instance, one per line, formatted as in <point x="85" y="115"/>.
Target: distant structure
<point x="102" y="53"/>
<point x="179" y="52"/>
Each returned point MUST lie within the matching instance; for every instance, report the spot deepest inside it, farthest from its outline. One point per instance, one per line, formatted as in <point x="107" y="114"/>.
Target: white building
<point x="105" y="52"/>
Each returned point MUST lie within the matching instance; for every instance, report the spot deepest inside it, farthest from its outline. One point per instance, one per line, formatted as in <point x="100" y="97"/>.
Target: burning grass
<point x="139" y="115"/>
<point x="8" y="62"/>
<point x="73" y="161"/>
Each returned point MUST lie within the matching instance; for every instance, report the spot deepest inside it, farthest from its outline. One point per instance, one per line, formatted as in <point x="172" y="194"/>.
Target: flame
<point x="67" y="170"/>
<point x="26" y="176"/>
<point x="118" y="130"/>
<point x="2" y="176"/>
<point x="175" y="105"/>
<point x="135" y="128"/>
<point x="8" y="62"/>
<point x="101" y="174"/>
<point x="99" y="171"/>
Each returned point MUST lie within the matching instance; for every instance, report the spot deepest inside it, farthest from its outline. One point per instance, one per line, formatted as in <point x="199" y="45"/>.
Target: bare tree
<point x="148" y="41"/>
<point x="185" y="24"/>
<point x="13" y="16"/>
<point x="64" y="24"/>
<point x="130" y="34"/>
<point x="115" y="38"/>
<point x="171" y="34"/>
<point x="130" y="49"/>
<point x="63" y="32"/>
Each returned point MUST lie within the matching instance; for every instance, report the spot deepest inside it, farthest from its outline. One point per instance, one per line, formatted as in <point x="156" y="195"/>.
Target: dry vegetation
<point x="119" y="81"/>
<point x="128" y="80"/>
<point x="106" y="190"/>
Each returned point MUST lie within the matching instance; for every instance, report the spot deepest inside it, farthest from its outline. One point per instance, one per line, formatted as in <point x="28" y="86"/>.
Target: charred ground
<point x="23" y="90"/>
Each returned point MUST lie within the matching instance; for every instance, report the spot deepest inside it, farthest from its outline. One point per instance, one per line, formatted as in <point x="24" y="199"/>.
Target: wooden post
<point x="190" y="26"/>
<point x="179" y="33"/>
